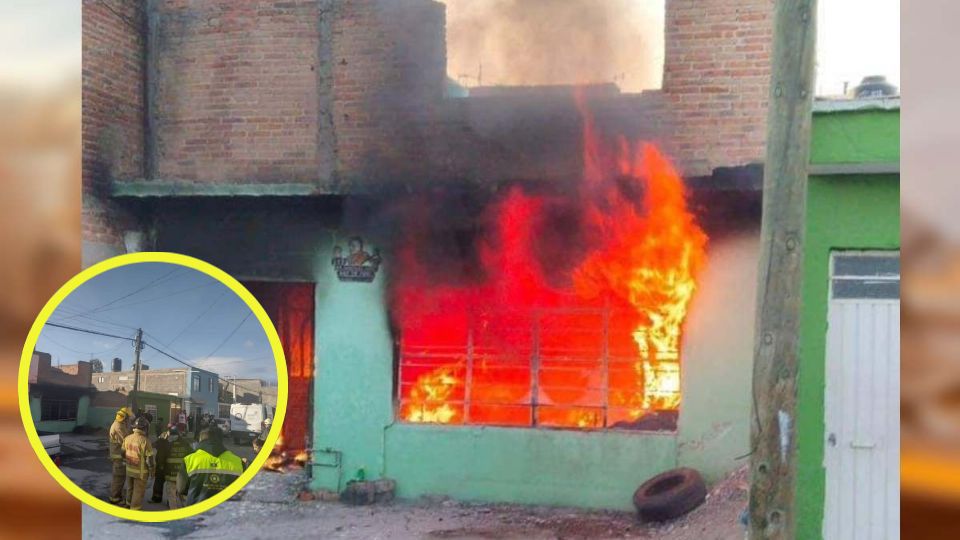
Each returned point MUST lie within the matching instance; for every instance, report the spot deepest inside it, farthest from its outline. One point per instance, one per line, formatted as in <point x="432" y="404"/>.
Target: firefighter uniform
<point x="138" y="454"/>
<point x="118" y="432"/>
<point x="208" y="470"/>
<point x="171" y="462"/>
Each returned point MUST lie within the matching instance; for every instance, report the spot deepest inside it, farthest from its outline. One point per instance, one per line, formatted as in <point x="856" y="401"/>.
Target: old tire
<point x="670" y="495"/>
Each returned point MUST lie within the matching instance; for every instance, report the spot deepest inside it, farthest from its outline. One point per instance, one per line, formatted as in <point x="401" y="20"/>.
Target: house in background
<point x="848" y="402"/>
<point x="104" y="405"/>
<point x="247" y="391"/>
<point x="59" y="396"/>
<point x="197" y="389"/>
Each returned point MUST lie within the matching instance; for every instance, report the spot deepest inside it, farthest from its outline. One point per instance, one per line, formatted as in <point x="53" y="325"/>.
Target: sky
<point x="182" y="311"/>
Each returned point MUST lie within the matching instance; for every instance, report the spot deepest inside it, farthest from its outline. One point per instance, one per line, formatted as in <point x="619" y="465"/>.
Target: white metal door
<point x="862" y="398"/>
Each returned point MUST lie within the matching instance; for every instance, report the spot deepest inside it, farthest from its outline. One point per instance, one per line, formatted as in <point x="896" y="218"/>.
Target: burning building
<point x="533" y="294"/>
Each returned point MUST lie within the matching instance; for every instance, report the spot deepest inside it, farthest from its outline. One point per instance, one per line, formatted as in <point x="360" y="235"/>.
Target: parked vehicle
<point x="51" y="443"/>
<point x="246" y="421"/>
<point x="224" y="425"/>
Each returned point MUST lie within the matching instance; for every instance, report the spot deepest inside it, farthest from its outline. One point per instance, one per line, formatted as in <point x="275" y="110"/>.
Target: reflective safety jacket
<point x="172" y="459"/>
<point x="207" y="472"/>
<point x="118" y="432"/>
<point x="138" y="454"/>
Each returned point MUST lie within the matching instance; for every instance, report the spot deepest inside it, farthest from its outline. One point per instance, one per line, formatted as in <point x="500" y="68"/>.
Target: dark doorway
<point x="291" y="308"/>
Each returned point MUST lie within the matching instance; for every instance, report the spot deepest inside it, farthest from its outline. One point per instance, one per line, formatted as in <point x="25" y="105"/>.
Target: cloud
<point x="234" y="366"/>
<point x="248" y="344"/>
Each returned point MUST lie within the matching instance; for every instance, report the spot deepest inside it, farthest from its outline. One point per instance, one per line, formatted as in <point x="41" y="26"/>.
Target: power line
<point x="128" y="295"/>
<point x="154" y="347"/>
<point x="224" y="342"/>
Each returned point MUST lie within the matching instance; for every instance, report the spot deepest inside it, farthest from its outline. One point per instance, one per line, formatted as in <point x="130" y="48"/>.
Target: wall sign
<point x="358" y="264"/>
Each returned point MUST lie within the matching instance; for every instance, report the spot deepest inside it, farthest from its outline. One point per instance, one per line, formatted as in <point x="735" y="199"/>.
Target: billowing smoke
<point x="537" y="42"/>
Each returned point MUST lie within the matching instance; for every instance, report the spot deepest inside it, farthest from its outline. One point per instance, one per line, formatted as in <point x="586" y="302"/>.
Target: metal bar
<point x="468" y="378"/>
<point x="535" y="368"/>
<point x="606" y="364"/>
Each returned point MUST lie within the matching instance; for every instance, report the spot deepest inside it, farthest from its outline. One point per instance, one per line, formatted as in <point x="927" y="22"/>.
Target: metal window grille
<point x="865" y="275"/>
<point x="58" y="409"/>
<point x="559" y="368"/>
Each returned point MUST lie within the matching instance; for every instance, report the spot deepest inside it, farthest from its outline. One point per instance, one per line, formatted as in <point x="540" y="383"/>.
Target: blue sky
<point x="182" y="311"/>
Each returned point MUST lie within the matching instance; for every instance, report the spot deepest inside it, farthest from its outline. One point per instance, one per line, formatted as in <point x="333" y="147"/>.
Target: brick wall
<point x="716" y="80"/>
<point x="388" y="66"/>
<point x="157" y="381"/>
<point x="236" y="90"/>
<point x="112" y="84"/>
<point x="351" y="91"/>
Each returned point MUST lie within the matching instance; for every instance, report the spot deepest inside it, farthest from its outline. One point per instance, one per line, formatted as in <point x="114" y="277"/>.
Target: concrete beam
<point x="167" y="189"/>
<point x="825" y="169"/>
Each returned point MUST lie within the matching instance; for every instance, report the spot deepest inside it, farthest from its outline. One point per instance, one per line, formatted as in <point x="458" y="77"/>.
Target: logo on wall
<point x="357" y="264"/>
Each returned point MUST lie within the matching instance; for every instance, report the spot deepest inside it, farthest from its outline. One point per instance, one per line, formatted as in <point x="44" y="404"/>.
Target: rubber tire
<point x="670" y="495"/>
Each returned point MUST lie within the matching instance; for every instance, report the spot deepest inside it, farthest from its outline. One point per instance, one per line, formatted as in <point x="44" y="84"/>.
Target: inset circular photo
<point x="153" y="386"/>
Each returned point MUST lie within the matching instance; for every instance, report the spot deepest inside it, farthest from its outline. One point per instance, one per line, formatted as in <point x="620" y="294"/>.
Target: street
<point x="86" y="462"/>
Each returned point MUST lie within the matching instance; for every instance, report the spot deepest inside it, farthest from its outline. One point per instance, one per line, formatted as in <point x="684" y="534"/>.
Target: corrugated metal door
<point x="862" y="400"/>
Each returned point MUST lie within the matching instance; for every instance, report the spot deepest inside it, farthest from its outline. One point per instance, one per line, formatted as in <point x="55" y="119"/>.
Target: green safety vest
<point x="177" y="451"/>
<point x="208" y="474"/>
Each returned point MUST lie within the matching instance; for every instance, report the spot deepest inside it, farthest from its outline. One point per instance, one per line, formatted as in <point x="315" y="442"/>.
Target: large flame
<point x="602" y="350"/>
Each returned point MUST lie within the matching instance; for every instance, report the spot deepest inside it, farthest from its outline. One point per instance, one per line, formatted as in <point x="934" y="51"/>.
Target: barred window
<point x="58" y="409"/>
<point x="558" y="368"/>
<point x="196" y="383"/>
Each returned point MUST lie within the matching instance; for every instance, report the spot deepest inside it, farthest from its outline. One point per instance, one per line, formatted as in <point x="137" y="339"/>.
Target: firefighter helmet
<point x="141" y="423"/>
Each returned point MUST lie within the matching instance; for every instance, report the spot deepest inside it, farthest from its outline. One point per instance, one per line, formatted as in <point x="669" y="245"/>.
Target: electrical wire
<point x="154" y="347"/>
<point x="128" y="295"/>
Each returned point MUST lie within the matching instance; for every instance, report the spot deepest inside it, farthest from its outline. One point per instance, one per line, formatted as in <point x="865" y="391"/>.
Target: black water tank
<point x="117" y="364"/>
<point x="875" y="86"/>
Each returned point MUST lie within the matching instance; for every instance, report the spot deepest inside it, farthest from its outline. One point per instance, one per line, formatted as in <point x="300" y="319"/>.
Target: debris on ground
<point x="274" y="501"/>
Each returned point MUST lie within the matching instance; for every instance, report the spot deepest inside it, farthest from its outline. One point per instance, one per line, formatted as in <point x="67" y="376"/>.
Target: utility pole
<point x="773" y="424"/>
<point x="234" y="379"/>
<point x="137" y="347"/>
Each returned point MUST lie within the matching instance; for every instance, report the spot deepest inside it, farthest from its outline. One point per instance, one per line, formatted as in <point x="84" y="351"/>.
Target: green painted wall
<point x="714" y="429"/>
<point x="60" y="426"/>
<point x="843" y="212"/>
<point x="353" y="390"/>
<point x="867" y="136"/>
<point x="536" y="466"/>
<point x="101" y="417"/>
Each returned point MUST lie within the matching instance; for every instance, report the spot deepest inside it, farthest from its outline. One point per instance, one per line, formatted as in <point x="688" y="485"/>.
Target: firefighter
<point x="208" y="470"/>
<point x="262" y="437"/>
<point x="169" y="462"/>
<point x="118" y="432"/>
<point x="138" y="454"/>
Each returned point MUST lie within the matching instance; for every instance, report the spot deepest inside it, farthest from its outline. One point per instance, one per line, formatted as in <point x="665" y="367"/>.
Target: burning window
<point x="574" y="315"/>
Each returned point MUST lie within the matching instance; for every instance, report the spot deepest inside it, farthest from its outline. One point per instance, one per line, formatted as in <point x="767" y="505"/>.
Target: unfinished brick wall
<point x="157" y="381"/>
<point x="112" y="84"/>
<point x="388" y="66"/>
<point x="236" y="90"/>
<point x="716" y="80"/>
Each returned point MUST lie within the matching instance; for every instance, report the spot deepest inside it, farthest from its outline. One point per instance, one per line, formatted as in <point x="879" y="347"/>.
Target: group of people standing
<point x="184" y="472"/>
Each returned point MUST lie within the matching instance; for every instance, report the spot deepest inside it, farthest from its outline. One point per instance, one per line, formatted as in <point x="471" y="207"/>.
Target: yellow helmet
<point x="124" y="412"/>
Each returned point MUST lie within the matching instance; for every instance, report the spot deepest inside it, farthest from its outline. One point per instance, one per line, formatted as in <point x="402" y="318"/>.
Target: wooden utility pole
<point x="773" y="423"/>
<point x="137" y="347"/>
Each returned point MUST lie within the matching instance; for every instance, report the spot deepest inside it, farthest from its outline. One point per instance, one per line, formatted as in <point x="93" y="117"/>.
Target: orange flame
<point x="647" y="256"/>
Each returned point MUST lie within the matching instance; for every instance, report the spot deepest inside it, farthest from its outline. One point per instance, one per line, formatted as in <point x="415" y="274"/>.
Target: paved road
<point x="85" y="462"/>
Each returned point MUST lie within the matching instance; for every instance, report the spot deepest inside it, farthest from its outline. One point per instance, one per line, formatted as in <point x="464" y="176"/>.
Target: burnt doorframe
<point x="261" y="281"/>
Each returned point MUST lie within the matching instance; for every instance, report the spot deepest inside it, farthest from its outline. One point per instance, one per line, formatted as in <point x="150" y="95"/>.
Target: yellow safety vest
<point x="209" y="474"/>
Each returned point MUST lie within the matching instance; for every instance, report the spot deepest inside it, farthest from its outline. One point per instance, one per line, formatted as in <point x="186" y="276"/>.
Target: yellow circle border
<point x="27" y="356"/>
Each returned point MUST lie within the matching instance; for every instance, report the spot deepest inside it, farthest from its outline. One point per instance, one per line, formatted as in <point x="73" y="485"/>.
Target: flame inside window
<point x="601" y="350"/>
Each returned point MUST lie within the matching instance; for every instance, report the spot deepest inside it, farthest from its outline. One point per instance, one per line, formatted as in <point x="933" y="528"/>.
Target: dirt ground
<point x="268" y="508"/>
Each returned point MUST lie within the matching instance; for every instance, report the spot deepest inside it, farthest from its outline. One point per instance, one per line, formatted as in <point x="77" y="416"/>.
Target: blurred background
<point x="39" y="231"/>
